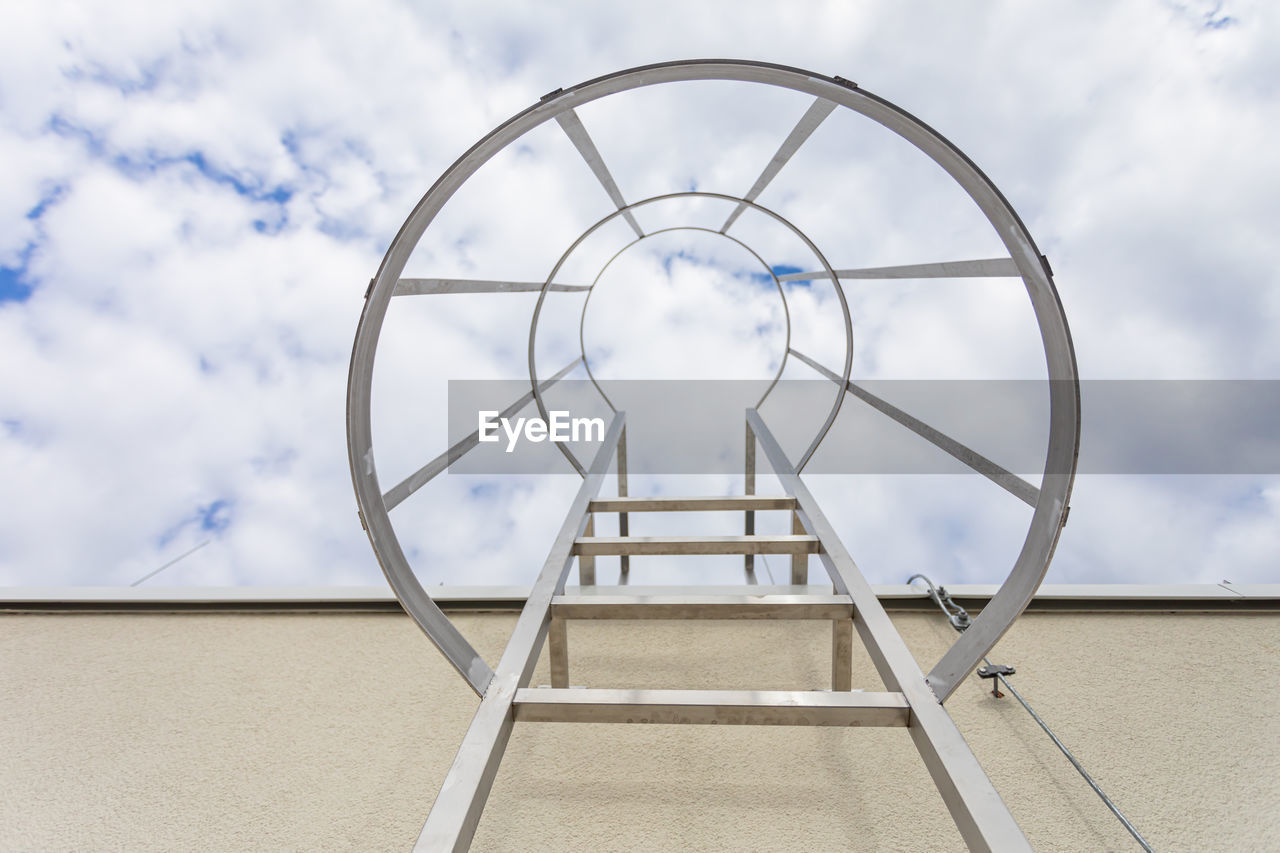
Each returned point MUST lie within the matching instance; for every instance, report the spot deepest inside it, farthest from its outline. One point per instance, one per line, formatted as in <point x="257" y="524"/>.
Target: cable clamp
<point x="994" y="671"/>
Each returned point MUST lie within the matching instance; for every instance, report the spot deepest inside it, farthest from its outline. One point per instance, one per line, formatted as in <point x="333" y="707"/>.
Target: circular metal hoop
<point x="582" y="319"/>
<point x="1051" y="499"/>
<point x="626" y="210"/>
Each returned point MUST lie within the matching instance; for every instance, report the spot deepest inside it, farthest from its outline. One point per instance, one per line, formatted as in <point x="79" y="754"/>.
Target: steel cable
<point x="959" y="619"/>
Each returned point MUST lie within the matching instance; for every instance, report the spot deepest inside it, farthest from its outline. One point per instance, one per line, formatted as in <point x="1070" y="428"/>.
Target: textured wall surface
<point x="311" y="732"/>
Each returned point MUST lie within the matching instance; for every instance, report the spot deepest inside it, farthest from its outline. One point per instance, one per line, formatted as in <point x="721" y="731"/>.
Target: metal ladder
<point x="838" y="609"/>
<point x="981" y="816"/>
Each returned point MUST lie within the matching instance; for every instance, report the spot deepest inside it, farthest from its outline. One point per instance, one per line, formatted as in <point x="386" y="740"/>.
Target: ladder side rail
<point x="456" y="812"/>
<point x="749" y="489"/>
<point x="980" y="814"/>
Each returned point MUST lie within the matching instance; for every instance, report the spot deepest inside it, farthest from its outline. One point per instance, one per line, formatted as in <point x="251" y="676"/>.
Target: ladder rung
<point x="718" y="707"/>
<point x="595" y="546"/>
<point x="736" y="503"/>
<point x="702" y="607"/>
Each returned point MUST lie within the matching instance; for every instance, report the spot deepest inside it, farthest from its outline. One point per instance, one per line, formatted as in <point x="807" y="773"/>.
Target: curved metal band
<point x="622" y="211"/>
<point x="1064" y="434"/>
<point x="582" y="319"/>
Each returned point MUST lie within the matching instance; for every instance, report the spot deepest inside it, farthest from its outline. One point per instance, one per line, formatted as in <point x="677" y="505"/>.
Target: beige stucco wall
<point x="309" y="732"/>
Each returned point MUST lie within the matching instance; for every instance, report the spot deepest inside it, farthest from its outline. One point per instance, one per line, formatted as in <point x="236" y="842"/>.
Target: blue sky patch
<point x="786" y="269"/>
<point x="759" y="278"/>
<point x="1215" y="20"/>
<point x="147" y="79"/>
<point x="15" y="282"/>
<point x="13" y="287"/>
<point x="216" y="517"/>
<point x="484" y="490"/>
<point x="211" y="518"/>
<point x="257" y="192"/>
<point x="68" y="129"/>
<point x="56" y="192"/>
<point x="151" y="162"/>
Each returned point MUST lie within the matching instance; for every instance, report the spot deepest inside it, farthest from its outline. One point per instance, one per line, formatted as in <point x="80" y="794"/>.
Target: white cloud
<point x="200" y="193"/>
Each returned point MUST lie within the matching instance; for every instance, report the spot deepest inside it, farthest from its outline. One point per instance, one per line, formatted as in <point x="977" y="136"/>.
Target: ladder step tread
<point x="712" y="707"/>
<point x="702" y="606"/>
<point x="732" y="503"/>
<point x="648" y="545"/>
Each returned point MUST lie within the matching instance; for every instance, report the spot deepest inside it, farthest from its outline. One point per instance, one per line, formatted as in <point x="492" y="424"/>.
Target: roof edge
<point x="1050" y="597"/>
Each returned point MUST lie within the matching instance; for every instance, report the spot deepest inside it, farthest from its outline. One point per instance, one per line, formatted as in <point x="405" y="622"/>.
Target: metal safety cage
<point x="913" y="699"/>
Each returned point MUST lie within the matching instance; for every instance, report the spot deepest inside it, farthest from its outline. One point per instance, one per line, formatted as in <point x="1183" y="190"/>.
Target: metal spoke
<point x="434" y="286"/>
<point x="577" y="133"/>
<point x="424" y="475"/>
<point x="818" y="110"/>
<point x="1007" y="480"/>
<point x="984" y="268"/>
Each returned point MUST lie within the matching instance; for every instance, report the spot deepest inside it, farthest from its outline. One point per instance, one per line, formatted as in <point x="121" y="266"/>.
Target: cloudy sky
<point x="193" y="197"/>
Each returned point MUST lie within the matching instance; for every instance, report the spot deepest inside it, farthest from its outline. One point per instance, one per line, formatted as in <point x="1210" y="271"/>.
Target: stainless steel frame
<point x="573" y="128"/>
<point x="457" y="808"/>
<point x="712" y="707"/>
<point x="986" y="268"/>
<point x="777" y="282"/>
<point x="1003" y="478"/>
<point x="818" y="110"/>
<point x="977" y="809"/>
<point x="776" y="217"/>
<point x="913" y="700"/>
<point x="838" y="609"/>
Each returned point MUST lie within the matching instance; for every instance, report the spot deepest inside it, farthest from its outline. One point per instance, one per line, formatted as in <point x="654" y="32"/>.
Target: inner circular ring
<point x="822" y="259"/>
<point x="786" y="347"/>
